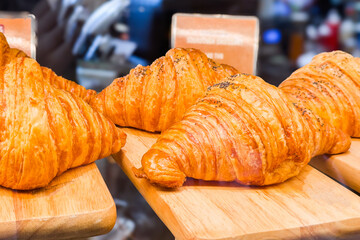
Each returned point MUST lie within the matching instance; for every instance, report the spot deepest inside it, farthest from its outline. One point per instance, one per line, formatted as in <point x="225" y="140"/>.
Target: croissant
<point x="7" y="54"/>
<point x="242" y="130"/>
<point x="45" y="130"/>
<point x="330" y="87"/>
<point x="154" y="97"/>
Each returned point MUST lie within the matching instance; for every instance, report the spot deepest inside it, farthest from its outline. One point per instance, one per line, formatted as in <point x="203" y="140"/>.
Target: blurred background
<point x="94" y="41"/>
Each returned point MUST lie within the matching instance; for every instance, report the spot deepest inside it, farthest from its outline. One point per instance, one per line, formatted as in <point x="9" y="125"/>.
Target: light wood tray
<point x="76" y="204"/>
<point x="308" y="206"/>
<point x="345" y="167"/>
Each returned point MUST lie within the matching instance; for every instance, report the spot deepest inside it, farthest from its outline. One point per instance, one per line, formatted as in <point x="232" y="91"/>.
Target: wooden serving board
<point x="343" y="167"/>
<point x="309" y="206"/>
<point x="76" y="204"/>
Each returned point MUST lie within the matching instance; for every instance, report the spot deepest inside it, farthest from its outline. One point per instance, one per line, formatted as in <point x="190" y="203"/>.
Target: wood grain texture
<point x="308" y="206"/>
<point x="76" y="204"/>
<point x="343" y="167"/>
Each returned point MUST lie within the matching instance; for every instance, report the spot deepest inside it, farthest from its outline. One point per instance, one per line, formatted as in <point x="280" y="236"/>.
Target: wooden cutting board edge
<point x="170" y="219"/>
<point x="61" y="226"/>
<point x="102" y="227"/>
<point x="343" y="168"/>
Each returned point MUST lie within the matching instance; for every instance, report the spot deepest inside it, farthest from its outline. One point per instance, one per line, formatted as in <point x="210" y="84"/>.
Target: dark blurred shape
<point x="18" y="5"/>
<point x="52" y="49"/>
<point x="148" y="225"/>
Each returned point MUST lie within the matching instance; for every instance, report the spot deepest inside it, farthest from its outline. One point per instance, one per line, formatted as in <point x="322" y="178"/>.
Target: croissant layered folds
<point x="154" y="97"/>
<point x="242" y="130"/>
<point x="330" y="86"/>
<point x="45" y="130"/>
<point x="7" y="54"/>
<point x="70" y="86"/>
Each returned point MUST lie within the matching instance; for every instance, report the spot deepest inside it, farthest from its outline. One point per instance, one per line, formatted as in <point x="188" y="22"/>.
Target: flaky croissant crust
<point x="45" y="130"/>
<point x="330" y="86"/>
<point x="242" y="130"/>
<point x="152" y="98"/>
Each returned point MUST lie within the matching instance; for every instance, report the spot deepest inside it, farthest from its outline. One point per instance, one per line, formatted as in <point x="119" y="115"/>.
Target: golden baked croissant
<point x="154" y="97"/>
<point x="242" y="130"/>
<point x="330" y="86"/>
<point x="45" y="130"/>
<point x="7" y="54"/>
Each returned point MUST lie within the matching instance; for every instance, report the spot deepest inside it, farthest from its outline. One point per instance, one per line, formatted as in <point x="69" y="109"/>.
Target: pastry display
<point x="243" y="130"/>
<point x="133" y="119"/>
<point x="45" y="130"/>
<point x="154" y="97"/>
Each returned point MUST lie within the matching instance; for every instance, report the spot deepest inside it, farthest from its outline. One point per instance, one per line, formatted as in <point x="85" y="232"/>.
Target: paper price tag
<point x="227" y="39"/>
<point x="19" y="29"/>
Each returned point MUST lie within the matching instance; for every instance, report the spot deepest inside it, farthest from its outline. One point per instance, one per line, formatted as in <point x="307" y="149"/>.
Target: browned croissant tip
<point x="168" y="184"/>
<point x="139" y="172"/>
<point x="123" y="137"/>
<point x="166" y="180"/>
